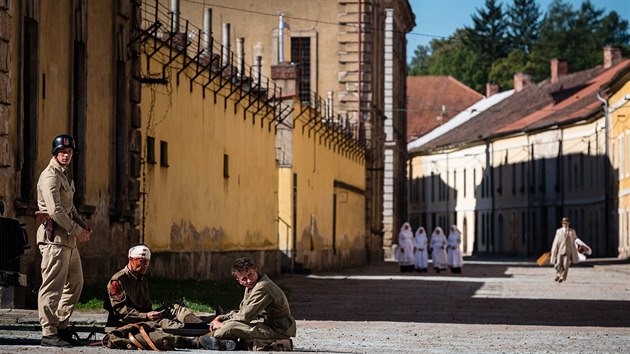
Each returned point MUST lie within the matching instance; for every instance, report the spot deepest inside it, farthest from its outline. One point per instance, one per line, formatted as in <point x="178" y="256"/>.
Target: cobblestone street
<point x="501" y="307"/>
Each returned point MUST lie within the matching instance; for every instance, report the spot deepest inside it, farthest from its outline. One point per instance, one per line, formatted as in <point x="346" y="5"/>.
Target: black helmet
<point x="62" y="141"/>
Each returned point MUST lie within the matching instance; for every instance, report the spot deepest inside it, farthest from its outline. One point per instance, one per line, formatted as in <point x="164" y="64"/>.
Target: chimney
<point x="612" y="56"/>
<point x="286" y="77"/>
<point x="559" y="68"/>
<point x="521" y="80"/>
<point x="491" y="89"/>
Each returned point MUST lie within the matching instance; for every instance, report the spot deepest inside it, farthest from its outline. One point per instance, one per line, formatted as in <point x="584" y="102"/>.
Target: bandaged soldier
<point x="129" y="300"/>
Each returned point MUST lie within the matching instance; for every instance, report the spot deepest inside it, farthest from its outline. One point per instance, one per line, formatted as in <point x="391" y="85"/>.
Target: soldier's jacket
<point x="266" y="303"/>
<point x="55" y="193"/>
<point x="129" y="299"/>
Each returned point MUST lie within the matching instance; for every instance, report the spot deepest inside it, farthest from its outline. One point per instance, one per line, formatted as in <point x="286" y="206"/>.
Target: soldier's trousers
<point x="62" y="282"/>
<point x="173" y="316"/>
<point x="234" y="329"/>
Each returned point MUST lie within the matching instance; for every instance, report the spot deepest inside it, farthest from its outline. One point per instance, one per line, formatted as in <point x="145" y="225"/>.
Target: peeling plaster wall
<point x="194" y="209"/>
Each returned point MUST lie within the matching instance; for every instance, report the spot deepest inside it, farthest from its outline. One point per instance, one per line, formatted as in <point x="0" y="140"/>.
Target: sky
<point x="440" y="18"/>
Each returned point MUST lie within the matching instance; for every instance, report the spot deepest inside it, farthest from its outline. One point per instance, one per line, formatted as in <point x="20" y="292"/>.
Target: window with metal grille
<point x="301" y="55"/>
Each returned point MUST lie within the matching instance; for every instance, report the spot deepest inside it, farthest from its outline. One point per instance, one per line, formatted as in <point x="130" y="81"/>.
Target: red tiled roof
<point x="425" y="97"/>
<point x="536" y="106"/>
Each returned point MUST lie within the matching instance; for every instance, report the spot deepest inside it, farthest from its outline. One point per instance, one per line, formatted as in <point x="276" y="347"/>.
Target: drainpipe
<point x="606" y="173"/>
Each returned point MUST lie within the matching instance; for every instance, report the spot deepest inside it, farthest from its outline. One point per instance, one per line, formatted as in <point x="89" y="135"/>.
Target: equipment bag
<point x="140" y="336"/>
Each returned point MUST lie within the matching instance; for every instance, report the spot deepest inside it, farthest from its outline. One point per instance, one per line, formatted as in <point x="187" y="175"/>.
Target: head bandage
<point x="140" y="251"/>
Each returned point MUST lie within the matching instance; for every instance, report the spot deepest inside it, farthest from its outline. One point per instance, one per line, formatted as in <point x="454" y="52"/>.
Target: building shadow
<point x="457" y="299"/>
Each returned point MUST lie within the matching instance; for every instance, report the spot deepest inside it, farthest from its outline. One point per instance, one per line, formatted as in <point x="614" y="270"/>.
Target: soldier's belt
<point x="280" y="314"/>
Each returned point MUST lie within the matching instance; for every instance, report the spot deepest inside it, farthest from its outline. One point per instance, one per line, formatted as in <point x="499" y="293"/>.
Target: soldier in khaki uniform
<point x="264" y="312"/>
<point x="62" y="275"/>
<point x="129" y="300"/>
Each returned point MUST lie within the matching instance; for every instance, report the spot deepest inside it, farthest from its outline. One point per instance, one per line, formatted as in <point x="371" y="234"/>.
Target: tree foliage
<point x="501" y="44"/>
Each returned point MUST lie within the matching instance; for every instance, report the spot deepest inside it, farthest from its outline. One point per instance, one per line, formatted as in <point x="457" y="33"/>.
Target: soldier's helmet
<point x="63" y="141"/>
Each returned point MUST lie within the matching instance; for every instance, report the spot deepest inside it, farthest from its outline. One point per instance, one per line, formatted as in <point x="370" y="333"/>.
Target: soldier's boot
<point x="193" y="322"/>
<point x="212" y="343"/>
<point x="186" y="342"/>
<point x="274" y="345"/>
<point x="192" y="319"/>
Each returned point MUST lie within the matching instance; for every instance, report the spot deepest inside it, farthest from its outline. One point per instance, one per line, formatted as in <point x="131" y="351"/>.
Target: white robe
<point x="422" y="254"/>
<point x="455" y="259"/>
<point x="404" y="253"/>
<point x="588" y="252"/>
<point x="438" y="244"/>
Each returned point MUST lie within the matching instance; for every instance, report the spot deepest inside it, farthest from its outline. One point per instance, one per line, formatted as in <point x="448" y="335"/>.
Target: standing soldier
<point x="62" y="275"/>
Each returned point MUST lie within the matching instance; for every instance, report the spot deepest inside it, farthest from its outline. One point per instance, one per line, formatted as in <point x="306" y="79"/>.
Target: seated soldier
<point x="129" y="300"/>
<point x="263" y="314"/>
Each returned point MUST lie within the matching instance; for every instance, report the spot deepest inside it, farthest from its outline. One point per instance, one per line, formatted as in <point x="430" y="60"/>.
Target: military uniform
<point x="264" y="313"/>
<point x="62" y="274"/>
<point x="129" y="302"/>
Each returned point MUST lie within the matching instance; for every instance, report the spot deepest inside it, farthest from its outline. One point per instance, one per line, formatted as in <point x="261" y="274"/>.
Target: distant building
<point x="508" y="175"/>
<point x="433" y="101"/>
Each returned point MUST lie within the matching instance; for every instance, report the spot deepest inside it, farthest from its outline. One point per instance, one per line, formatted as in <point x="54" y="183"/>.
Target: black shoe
<point x="54" y="341"/>
<point x="69" y="336"/>
<point x="212" y="343"/>
<point x="209" y="342"/>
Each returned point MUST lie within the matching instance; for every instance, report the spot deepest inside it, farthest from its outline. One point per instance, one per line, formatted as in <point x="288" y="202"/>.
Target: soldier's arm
<point x="256" y="304"/>
<point x="50" y="192"/>
<point x="120" y="306"/>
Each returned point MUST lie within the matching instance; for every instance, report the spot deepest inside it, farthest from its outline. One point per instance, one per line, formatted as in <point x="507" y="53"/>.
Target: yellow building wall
<point x="190" y="205"/>
<point x="324" y="172"/>
<point x="55" y="20"/>
<point x="621" y="126"/>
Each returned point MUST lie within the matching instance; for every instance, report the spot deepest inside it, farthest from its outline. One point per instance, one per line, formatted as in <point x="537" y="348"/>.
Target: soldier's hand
<point x="84" y="236"/>
<point x="215" y="324"/>
<point x="154" y="315"/>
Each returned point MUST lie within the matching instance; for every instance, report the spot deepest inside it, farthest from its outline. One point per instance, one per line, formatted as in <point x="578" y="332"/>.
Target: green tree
<point x="524" y="24"/>
<point x="452" y="57"/>
<point x="418" y="65"/>
<point x="504" y="69"/>
<point x="488" y="34"/>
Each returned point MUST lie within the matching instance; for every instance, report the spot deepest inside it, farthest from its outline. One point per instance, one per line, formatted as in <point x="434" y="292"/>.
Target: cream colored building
<point x="508" y="175"/>
<point x="618" y="112"/>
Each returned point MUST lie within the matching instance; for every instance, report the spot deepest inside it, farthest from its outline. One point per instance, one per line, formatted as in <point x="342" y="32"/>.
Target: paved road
<point x="492" y="307"/>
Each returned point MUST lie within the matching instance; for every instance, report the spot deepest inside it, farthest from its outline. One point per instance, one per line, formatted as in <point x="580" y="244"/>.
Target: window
<point x="301" y="55"/>
<point x="163" y="153"/>
<point x="150" y="150"/>
<point x="30" y="78"/>
<point x="226" y="166"/>
<point x="464" y="183"/>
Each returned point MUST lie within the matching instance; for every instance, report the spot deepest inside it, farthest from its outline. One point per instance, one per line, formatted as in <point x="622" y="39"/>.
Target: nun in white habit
<point x="438" y="246"/>
<point x="422" y="254"/>
<point x="455" y="260"/>
<point x="404" y="253"/>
